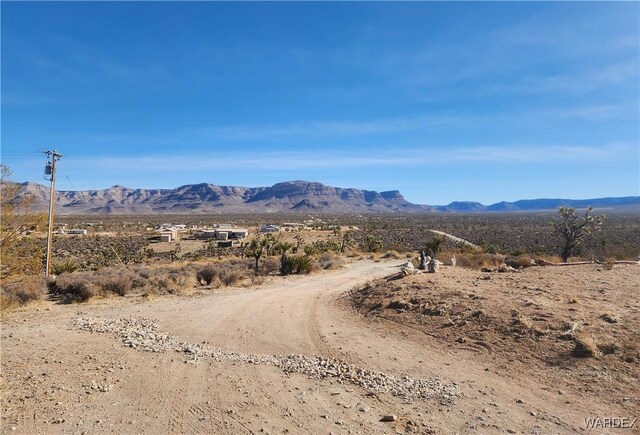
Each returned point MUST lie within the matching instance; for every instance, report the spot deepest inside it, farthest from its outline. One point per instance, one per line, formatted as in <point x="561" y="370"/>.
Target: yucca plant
<point x="66" y="266"/>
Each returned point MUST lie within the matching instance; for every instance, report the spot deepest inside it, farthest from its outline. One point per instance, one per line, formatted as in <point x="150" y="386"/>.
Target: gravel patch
<point x="143" y="334"/>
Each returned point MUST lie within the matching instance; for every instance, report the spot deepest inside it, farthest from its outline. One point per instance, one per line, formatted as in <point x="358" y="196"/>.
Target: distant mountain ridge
<point x="542" y="204"/>
<point x="289" y="196"/>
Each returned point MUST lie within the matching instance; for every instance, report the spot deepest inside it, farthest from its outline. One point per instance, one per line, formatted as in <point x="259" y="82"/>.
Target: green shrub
<point x="300" y="264"/>
<point x="372" y="244"/>
<point x="66" y="266"/>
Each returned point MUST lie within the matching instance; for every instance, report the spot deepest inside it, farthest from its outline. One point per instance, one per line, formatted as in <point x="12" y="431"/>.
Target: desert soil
<point x="60" y="378"/>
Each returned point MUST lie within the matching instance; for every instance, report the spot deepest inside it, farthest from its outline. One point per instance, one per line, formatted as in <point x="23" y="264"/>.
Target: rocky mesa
<point x="285" y="197"/>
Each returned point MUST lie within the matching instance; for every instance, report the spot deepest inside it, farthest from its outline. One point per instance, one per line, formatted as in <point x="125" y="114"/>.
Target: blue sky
<point x="442" y="101"/>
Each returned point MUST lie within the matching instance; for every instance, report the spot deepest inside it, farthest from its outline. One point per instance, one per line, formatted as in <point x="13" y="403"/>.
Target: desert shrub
<point x="180" y="279"/>
<point x="288" y="266"/>
<point x="298" y="264"/>
<point x="257" y="280"/>
<point x="490" y="248"/>
<point x="22" y="292"/>
<point x="230" y="277"/>
<point x="206" y="275"/>
<point x="393" y="254"/>
<point x="159" y="283"/>
<point x="120" y="285"/>
<point x="221" y="274"/>
<point x="372" y="243"/>
<point x="65" y="266"/>
<point x="478" y="260"/>
<point x="139" y="281"/>
<point x="330" y="261"/>
<point x="270" y="266"/>
<point x="73" y="288"/>
<point x="432" y="248"/>
<point x="520" y="261"/>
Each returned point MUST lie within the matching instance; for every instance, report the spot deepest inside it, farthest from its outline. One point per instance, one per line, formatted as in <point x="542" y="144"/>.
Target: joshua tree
<point x="347" y="241"/>
<point x="572" y="228"/>
<point x="283" y="247"/>
<point x="255" y="249"/>
<point x="372" y="244"/>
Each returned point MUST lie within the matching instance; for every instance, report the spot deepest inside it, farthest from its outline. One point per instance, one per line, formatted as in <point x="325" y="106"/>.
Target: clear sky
<point x="442" y="101"/>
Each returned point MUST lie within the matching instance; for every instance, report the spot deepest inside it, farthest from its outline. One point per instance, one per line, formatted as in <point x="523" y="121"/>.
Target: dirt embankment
<point x="573" y="329"/>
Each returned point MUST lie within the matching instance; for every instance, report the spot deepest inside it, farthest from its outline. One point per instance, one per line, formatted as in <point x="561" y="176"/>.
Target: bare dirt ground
<point x="59" y="379"/>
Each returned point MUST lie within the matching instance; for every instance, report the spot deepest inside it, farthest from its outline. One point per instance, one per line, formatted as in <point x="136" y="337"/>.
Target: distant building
<point x="222" y="234"/>
<point x="73" y="231"/>
<point x="205" y="234"/>
<point x="269" y="229"/>
<point x="237" y="233"/>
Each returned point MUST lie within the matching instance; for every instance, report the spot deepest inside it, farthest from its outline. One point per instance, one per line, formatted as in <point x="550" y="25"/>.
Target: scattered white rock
<point x="143" y="334"/>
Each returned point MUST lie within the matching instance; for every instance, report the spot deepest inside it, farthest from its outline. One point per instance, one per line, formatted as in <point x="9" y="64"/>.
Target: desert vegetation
<point x="125" y="244"/>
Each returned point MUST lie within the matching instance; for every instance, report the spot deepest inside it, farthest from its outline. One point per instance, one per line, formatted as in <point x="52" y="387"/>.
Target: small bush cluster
<point x="330" y="261"/>
<point x="478" y="260"/>
<point x="206" y="275"/>
<point x="218" y="275"/>
<point x="80" y="287"/>
<point x="22" y="292"/>
<point x="297" y="265"/>
<point x="73" y="288"/>
<point x="520" y="262"/>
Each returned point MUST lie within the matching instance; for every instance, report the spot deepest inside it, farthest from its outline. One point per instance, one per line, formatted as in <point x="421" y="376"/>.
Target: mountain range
<point x="290" y="196"/>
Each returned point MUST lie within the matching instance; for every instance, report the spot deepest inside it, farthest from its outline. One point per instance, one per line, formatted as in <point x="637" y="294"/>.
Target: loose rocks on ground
<point x="143" y="334"/>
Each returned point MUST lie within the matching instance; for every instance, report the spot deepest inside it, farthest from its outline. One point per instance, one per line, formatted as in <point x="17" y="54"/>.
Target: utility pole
<point x="50" y="169"/>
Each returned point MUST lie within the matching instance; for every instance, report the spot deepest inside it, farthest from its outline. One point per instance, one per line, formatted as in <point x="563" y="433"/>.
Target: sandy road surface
<point x="57" y="379"/>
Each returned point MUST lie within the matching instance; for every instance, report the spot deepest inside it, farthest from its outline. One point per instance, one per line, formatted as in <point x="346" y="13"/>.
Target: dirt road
<point x="455" y="238"/>
<point x="58" y="379"/>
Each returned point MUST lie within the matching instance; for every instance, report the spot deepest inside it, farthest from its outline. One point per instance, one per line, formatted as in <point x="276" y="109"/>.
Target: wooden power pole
<point x="50" y="170"/>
